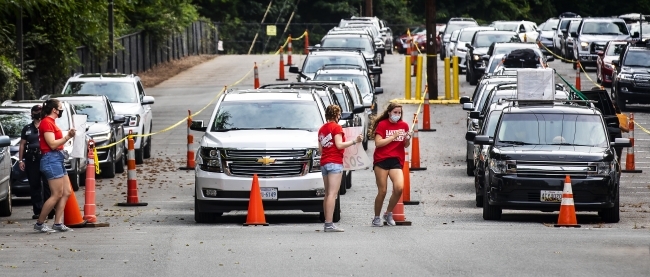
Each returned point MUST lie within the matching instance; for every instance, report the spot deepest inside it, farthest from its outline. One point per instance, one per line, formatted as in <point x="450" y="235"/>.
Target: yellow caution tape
<point x="97" y="171"/>
<point x="571" y="61"/>
<point x="642" y="129"/>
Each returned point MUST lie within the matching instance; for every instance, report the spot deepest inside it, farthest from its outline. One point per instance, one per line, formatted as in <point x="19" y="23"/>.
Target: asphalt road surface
<point x="448" y="237"/>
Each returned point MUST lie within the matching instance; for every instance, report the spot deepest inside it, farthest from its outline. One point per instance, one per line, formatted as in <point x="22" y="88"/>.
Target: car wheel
<point x="490" y="212"/>
<point x="467" y="74"/>
<point x="470" y="167"/>
<point x="479" y="201"/>
<point x="390" y="50"/>
<point x="620" y="102"/>
<point x="378" y="82"/>
<point x="74" y="180"/>
<point x="119" y="164"/>
<point x="139" y="153"/>
<point x="343" y="188"/>
<point x="613" y="214"/>
<point x="575" y="66"/>
<point x="5" y="205"/>
<point x="147" y="148"/>
<point x="82" y="179"/>
<point x="200" y="217"/>
<point x="348" y="182"/>
<point x="473" y="80"/>
<point x="108" y="170"/>
<point x="337" y="210"/>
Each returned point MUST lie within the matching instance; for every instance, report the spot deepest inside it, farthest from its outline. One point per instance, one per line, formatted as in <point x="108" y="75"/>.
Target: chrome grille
<point x="542" y="168"/>
<point x="278" y="169"/>
<point x="258" y="153"/>
<point x="642" y="80"/>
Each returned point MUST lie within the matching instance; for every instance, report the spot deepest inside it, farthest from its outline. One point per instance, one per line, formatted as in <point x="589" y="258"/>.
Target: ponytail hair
<point x="49" y="106"/>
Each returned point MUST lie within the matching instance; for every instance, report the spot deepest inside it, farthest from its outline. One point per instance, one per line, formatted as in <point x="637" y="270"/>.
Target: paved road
<point x="448" y="236"/>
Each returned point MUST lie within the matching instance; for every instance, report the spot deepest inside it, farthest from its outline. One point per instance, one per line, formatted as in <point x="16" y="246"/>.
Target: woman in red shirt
<point x="332" y="144"/>
<point x="51" y="141"/>
<point x="392" y="136"/>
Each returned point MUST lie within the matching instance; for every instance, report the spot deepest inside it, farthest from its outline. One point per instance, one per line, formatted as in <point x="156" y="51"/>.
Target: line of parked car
<point x="114" y="104"/>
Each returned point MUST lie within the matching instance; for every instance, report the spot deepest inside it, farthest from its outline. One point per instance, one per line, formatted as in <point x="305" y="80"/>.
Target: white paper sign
<point x="354" y="156"/>
<point x="79" y="145"/>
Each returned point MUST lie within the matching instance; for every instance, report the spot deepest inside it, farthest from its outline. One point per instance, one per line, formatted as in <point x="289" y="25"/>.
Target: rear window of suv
<point x="118" y="92"/>
<point x="314" y="63"/>
<point x="453" y="26"/>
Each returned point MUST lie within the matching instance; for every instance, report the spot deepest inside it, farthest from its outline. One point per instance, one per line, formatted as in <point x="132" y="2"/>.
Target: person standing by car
<point x="391" y="138"/>
<point x="29" y="155"/>
<point x="332" y="144"/>
<point x="51" y="141"/>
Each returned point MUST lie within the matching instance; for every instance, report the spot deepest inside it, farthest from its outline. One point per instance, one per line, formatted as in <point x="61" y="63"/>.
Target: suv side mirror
<point x="470" y="135"/>
<point x="317" y="45"/>
<point x="347" y="116"/>
<point x="379" y="90"/>
<point x="294" y="69"/>
<point x="197" y="125"/>
<point x="147" y="100"/>
<point x="376" y="70"/>
<point x="554" y="28"/>
<point x="574" y="34"/>
<point x="469" y="46"/>
<point x="635" y="35"/>
<point x="465" y="99"/>
<point x="359" y="109"/>
<point x="485" y="57"/>
<point x="468" y="106"/>
<point x="5" y="141"/>
<point x="550" y="58"/>
<point x="621" y="142"/>
<point x="475" y="115"/>
<point x="483" y="140"/>
<point x="615" y="62"/>
<point x="118" y="118"/>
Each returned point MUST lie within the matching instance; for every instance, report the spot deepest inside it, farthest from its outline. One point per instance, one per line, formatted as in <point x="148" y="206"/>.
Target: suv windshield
<point x="614" y="49"/>
<point x="552" y="129"/>
<point x="246" y="115"/>
<point x="486" y="39"/>
<point x="348" y="42"/>
<point x="604" y="28"/>
<point x="360" y="80"/>
<point x="637" y="58"/>
<point x="507" y="26"/>
<point x="551" y="24"/>
<point x="314" y="63"/>
<point x="94" y="110"/>
<point x="118" y="92"/>
<point x="13" y="123"/>
<point x="467" y="35"/>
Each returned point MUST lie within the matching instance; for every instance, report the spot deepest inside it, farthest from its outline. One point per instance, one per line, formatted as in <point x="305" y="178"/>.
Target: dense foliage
<point x="53" y="29"/>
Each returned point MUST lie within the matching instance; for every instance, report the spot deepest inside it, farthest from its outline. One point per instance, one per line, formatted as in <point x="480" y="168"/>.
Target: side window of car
<point x="109" y="109"/>
<point x="140" y="91"/>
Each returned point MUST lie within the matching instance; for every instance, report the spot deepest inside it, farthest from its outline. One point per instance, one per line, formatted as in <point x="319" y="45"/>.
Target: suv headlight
<point x="503" y="167"/>
<point x="626" y="76"/>
<point x="132" y="120"/>
<point x="315" y="160"/>
<point x="584" y="45"/>
<point x="99" y="137"/>
<point x="476" y="57"/>
<point x="603" y="168"/>
<point x="209" y="159"/>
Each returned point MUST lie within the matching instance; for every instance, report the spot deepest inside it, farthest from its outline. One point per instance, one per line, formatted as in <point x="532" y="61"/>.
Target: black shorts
<point x="388" y="164"/>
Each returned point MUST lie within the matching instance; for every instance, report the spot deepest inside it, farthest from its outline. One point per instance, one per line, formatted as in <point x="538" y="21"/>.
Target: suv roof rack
<point x="538" y="102"/>
<point x="341" y="66"/>
<point x="301" y="86"/>
<point x="346" y="49"/>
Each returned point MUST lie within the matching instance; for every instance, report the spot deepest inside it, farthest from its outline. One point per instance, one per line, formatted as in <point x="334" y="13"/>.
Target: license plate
<point x="550" y="196"/>
<point x="269" y="193"/>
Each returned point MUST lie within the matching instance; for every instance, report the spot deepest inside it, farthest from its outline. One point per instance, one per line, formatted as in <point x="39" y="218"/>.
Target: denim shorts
<point x="52" y="165"/>
<point x="331" y="168"/>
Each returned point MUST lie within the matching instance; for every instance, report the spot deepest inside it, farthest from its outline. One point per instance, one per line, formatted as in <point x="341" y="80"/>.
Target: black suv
<point x="536" y="145"/>
<point x="632" y="70"/>
<point x="455" y="23"/>
<point x="479" y="46"/>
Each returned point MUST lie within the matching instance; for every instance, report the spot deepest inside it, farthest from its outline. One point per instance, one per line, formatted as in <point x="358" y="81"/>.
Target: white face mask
<point x="394" y="118"/>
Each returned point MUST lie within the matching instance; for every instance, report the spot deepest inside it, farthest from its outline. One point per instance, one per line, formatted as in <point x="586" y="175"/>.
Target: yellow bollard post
<point x="456" y="88"/>
<point x="418" y="78"/>
<point x="407" y="78"/>
<point x="447" y="80"/>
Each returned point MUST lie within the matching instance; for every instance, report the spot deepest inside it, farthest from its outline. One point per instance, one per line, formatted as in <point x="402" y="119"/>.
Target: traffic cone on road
<point x="398" y="214"/>
<point x="289" y="52"/>
<point x="630" y="165"/>
<point x="415" y="147"/>
<point x="131" y="180"/>
<point x="567" y="216"/>
<point x="578" y="76"/>
<point x="256" y="75"/>
<point x="426" y="124"/>
<point x="281" y="74"/>
<point x="89" y="205"/>
<point x="255" y="206"/>
<point x="72" y="214"/>
<point x="406" y="191"/>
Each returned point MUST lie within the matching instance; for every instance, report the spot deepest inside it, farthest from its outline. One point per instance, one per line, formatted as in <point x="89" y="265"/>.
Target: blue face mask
<point x="394" y="118"/>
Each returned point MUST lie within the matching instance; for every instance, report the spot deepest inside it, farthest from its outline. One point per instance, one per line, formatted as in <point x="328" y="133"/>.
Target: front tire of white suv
<point x="147" y="148"/>
<point x="200" y="217"/>
<point x="139" y="153"/>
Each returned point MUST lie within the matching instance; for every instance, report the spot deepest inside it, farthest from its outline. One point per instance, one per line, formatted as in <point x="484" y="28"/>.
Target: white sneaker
<point x="43" y="228"/>
<point x="333" y="228"/>
<point x="376" y="222"/>
<point x="388" y="217"/>
<point x="61" y="228"/>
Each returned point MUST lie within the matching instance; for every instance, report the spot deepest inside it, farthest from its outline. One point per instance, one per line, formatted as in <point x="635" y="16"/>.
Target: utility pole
<point x="368" y="7"/>
<point x="432" y="61"/>
<point x="111" y="38"/>
<point x="21" y="57"/>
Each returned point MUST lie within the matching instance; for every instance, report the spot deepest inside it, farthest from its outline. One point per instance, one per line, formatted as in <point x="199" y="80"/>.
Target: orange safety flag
<point x="623" y="122"/>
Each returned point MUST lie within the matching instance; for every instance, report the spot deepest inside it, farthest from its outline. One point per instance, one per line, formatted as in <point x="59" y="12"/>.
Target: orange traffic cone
<point x="426" y="124"/>
<point x="72" y="214"/>
<point x="281" y="72"/>
<point x="406" y="191"/>
<point x="255" y="207"/>
<point x="415" y="147"/>
<point x="630" y="165"/>
<point x="89" y="205"/>
<point x="567" y="216"/>
<point x="256" y="80"/>
<point x="398" y="214"/>
<point x="578" y="75"/>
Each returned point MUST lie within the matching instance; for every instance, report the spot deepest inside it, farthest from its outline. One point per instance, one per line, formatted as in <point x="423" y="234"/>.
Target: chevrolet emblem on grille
<point x="266" y="160"/>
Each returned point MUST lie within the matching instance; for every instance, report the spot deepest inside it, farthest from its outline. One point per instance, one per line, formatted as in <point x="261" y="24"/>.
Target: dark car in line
<point x="479" y="46"/>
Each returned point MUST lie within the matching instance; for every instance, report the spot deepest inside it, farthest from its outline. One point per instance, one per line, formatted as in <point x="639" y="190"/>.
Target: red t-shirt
<point x="326" y="134"/>
<point x="394" y="149"/>
<point x="48" y="125"/>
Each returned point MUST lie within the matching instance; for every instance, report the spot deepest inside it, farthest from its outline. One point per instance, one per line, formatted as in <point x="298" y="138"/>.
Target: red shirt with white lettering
<point x="330" y="153"/>
<point x="395" y="148"/>
<point x="48" y="125"/>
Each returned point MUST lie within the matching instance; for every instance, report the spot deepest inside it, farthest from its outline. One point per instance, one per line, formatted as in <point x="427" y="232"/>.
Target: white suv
<point x="127" y="95"/>
<point x="268" y="132"/>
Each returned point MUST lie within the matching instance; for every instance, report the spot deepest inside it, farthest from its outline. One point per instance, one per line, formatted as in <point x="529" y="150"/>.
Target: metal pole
<point x="368" y="7"/>
<point x="111" y="38"/>
<point x="432" y="62"/>
<point x="19" y="45"/>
